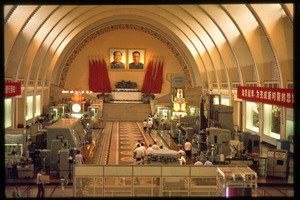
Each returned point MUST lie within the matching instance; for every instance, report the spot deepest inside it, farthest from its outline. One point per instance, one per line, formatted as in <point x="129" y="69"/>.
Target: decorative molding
<point x="110" y="28"/>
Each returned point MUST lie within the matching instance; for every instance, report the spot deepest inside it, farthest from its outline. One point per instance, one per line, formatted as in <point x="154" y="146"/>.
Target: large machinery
<point x="212" y="133"/>
<point x="164" y="157"/>
<point x="67" y="129"/>
<point x="63" y="138"/>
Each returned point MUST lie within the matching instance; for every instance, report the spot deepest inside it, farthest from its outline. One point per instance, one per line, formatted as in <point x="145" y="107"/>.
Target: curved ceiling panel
<point x="279" y="32"/>
<point x="124" y="15"/>
<point x="219" y="43"/>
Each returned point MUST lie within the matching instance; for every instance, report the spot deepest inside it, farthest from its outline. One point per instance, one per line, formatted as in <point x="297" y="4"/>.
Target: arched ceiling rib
<point x="255" y="39"/>
<point x="201" y="44"/>
<point x="109" y="17"/>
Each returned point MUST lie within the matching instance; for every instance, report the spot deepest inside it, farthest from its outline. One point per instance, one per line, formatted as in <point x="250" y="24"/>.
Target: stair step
<point x="125" y="111"/>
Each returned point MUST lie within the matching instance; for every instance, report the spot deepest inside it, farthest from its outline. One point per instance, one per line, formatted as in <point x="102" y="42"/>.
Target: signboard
<point x="178" y="80"/>
<point x="274" y="96"/>
<point x="12" y="89"/>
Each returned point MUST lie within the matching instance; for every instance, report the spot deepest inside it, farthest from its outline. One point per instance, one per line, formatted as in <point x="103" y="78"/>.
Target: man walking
<point x="188" y="148"/>
<point x="40" y="184"/>
<point x="139" y="153"/>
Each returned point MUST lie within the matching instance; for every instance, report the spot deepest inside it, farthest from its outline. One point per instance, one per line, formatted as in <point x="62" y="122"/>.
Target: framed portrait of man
<point x="136" y="58"/>
<point x="117" y="58"/>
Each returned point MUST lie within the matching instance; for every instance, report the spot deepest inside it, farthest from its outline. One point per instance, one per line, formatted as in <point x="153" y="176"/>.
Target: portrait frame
<point x="142" y="59"/>
<point x="123" y="59"/>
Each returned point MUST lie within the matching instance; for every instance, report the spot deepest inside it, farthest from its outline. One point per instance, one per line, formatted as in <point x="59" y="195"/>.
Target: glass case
<point x="158" y="107"/>
<point x="15" y="140"/>
<point x="165" y="112"/>
<point x="193" y="111"/>
<point x="94" y="111"/>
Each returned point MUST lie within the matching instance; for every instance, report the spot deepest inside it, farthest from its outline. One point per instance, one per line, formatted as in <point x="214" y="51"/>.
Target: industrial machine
<point x="174" y="129"/>
<point x="190" y="121"/>
<point x="278" y="163"/>
<point x="164" y="157"/>
<point x="217" y="142"/>
<point x="251" y="142"/>
<point x="235" y="147"/>
<point x="69" y="129"/>
<point x="186" y="133"/>
<point x="64" y="162"/>
<point x="63" y="138"/>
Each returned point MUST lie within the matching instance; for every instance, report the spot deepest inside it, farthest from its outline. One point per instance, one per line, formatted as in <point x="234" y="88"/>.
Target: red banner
<point x="12" y="89"/>
<point x="274" y="96"/>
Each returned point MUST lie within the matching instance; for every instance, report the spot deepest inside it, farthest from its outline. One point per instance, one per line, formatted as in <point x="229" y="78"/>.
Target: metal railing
<point x="145" y="180"/>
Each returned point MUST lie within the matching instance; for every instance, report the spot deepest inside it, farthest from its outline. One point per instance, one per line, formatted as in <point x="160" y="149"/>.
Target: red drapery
<point x="153" y="77"/>
<point x="98" y="76"/>
<point x="156" y="88"/>
<point x="107" y="87"/>
<point x="146" y="84"/>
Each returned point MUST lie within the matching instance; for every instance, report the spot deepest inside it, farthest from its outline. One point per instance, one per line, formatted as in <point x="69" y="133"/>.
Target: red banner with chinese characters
<point x="274" y="96"/>
<point x="12" y="89"/>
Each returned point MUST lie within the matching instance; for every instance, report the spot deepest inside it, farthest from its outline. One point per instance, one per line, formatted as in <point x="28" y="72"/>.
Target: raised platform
<point x="125" y="111"/>
<point x="125" y="101"/>
<point x="126" y="95"/>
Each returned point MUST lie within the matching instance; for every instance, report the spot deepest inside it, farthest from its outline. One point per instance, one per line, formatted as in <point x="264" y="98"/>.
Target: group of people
<point x="148" y="125"/>
<point x="207" y="162"/>
<point x="153" y="122"/>
<point x="141" y="152"/>
<point x="186" y="152"/>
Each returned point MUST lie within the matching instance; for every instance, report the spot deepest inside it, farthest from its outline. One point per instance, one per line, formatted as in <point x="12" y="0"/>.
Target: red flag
<point x="155" y="79"/>
<point x="90" y="75"/>
<point x="160" y="78"/>
<point x="100" y="76"/>
<point x="146" y="83"/>
<point x="97" y="76"/>
<point x="107" y="87"/>
<point x="152" y="77"/>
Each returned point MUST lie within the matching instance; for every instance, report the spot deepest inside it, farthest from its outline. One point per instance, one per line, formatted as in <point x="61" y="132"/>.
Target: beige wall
<point x="79" y="70"/>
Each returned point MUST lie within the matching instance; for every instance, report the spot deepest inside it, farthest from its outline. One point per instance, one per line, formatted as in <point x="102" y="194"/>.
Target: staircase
<point x="125" y="111"/>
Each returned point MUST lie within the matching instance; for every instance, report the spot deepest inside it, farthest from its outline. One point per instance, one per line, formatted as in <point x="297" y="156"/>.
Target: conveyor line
<point x="101" y="153"/>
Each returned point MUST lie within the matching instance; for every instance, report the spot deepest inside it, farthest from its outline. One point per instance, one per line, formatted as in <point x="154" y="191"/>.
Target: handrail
<point x="28" y="192"/>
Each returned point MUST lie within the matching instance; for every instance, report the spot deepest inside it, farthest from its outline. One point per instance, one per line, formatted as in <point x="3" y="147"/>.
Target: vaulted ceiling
<point x="222" y="44"/>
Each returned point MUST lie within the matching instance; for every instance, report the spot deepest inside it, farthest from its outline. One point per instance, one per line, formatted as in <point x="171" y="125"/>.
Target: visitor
<point x="188" y="148"/>
<point x="207" y="162"/>
<point x="198" y="162"/>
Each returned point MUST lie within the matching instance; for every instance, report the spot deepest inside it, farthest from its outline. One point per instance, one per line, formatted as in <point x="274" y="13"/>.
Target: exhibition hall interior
<point x="161" y="100"/>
